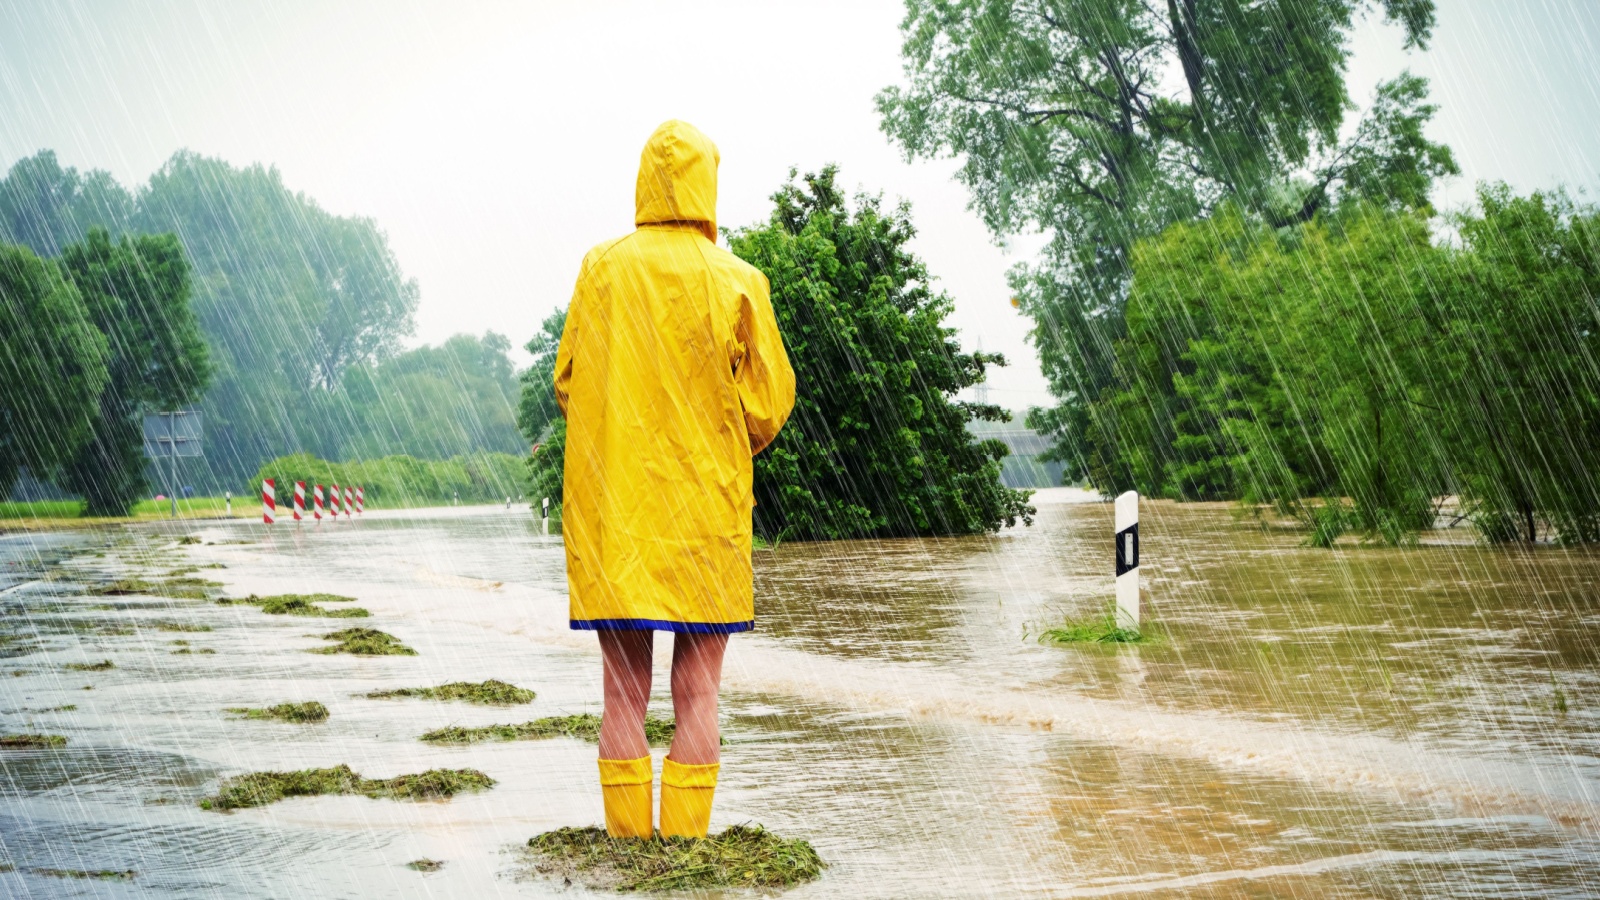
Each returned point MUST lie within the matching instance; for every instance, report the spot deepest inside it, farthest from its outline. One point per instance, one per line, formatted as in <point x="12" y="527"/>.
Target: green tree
<point x="875" y="445"/>
<point x="431" y="402"/>
<point x="137" y="294"/>
<point x="52" y="366"/>
<point x="289" y="296"/>
<point x="1067" y="119"/>
<point x="1520" y="348"/>
<point x="539" y="417"/>
<point x="46" y="207"/>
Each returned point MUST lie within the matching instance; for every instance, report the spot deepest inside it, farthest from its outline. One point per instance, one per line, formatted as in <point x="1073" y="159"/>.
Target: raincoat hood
<point x="678" y="179"/>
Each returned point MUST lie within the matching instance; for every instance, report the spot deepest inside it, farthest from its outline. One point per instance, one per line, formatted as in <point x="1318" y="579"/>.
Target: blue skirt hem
<point x="661" y="625"/>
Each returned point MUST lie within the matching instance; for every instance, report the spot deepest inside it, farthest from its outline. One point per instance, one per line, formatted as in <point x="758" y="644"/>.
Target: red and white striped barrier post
<point x="333" y="502"/>
<point x="299" y="500"/>
<point x="349" y="500"/>
<point x="268" y="508"/>
<point x="361" y="500"/>
<point x="316" y="503"/>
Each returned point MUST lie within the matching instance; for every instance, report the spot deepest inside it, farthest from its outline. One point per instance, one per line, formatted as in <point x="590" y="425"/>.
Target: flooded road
<point x="1361" y="722"/>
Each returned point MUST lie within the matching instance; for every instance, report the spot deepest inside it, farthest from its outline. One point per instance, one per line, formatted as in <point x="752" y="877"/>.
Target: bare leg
<point x="627" y="690"/>
<point x="696" y="678"/>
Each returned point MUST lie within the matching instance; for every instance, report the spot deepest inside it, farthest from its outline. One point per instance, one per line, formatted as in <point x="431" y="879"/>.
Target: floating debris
<point x="365" y="642"/>
<point x="741" y="856"/>
<point x="584" y="726"/>
<point x="100" y="666"/>
<point x="486" y="693"/>
<point x="310" y="711"/>
<point x="188" y="539"/>
<point x="262" y="788"/>
<point x="17" y="741"/>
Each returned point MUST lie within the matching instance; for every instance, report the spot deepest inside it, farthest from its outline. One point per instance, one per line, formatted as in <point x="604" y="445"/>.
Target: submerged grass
<point x="262" y="788"/>
<point x="96" y="874"/>
<point x="1094" y="631"/>
<point x="301" y="605"/>
<point x="17" y="741"/>
<point x="181" y="627"/>
<point x="486" y="693"/>
<point x="425" y="865"/>
<point x="310" y="711"/>
<point x="182" y="588"/>
<point x="741" y="856"/>
<point x="365" y="642"/>
<point x="584" y="726"/>
<point x="101" y="666"/>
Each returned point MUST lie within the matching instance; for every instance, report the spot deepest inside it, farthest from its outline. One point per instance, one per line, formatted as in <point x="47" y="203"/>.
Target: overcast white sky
<point x="496" y="141"/>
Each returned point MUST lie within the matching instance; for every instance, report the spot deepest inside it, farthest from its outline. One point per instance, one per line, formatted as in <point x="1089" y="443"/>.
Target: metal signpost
<point x="170" y="435"/>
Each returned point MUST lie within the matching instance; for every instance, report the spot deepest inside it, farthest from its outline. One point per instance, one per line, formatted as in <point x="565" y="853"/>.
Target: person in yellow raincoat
<point x="672" y="375"/>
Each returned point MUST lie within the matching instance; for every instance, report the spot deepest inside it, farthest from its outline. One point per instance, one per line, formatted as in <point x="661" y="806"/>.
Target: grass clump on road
<point x="22" y="741"/>
<point x="183" y="588"/>
<point x="95" y="874"/>
<point x="425" y="865"/>
<point x="181" y="627"/>
<point x="310" y="711"/>
<point x="1096" y="631"/>
<point x="301" y="605"/>
<point x="486" y="693"/>
<point x="365" y="642"/>
<point x="261" y="788"/>
<point x="743" y="856"/>
<point x="584" y="726"/>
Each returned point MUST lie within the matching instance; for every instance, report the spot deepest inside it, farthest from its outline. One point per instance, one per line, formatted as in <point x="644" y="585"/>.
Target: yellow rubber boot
<point x="686" y="793"/>
<point x="626" y="786"/>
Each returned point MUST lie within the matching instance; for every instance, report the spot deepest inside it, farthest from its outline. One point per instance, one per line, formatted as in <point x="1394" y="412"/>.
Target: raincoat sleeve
<point x="569" y="341"/>
<point x="762" y="372"/>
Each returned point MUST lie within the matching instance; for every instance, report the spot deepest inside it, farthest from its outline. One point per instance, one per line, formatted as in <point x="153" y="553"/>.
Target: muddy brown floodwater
<point x="1363" y="722"/>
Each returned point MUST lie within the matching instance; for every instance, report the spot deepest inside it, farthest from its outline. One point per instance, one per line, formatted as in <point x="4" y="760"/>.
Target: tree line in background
<point x="1243" y="295"/>
<point x="302" y="311"/>
<point x="876" y="445"/>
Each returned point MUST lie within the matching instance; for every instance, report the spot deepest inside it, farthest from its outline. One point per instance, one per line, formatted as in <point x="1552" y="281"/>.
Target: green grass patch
<point x="1094" y="631"/>
<point x="95" y="874"/>
<point x="262" y="788"/>
<point x="425" y="865"/>
<point x="743" y="856"/>
<point x="485" y="693"/>
<point x="101" y="666"/>
<point x="301" y="605"/>
<point x="310" y="711"/>
<point x="182" y="588"/>
<point x="19" y="741"/>
<point x="198" y="651"/>
<point x="365" y="642"/>
<point x="180" y="627"/>
<point x="584" y="726"/>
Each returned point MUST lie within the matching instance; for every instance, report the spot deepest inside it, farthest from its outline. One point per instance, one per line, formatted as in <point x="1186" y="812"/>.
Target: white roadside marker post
<point x="544" y="515"/>
<point x="1127" y="524"/>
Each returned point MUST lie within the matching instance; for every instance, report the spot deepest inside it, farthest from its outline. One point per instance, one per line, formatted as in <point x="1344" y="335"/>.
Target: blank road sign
<point x="172" y="434"/>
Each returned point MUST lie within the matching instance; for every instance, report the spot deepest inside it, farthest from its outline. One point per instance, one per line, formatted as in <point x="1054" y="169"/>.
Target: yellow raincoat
<point x="671" y="374"/>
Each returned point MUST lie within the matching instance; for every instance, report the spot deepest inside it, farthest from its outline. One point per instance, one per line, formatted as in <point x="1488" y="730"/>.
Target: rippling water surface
<point x="1358" y="723"/>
